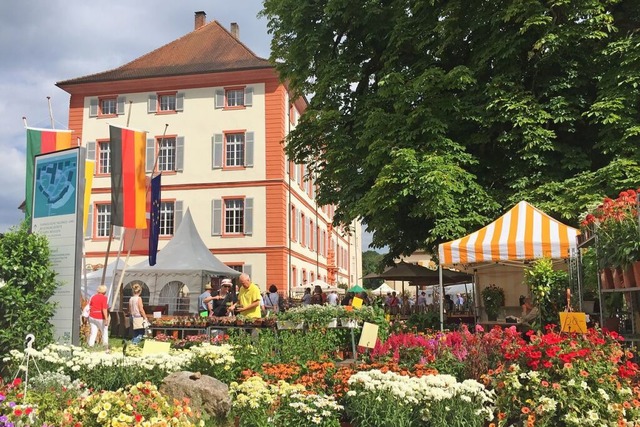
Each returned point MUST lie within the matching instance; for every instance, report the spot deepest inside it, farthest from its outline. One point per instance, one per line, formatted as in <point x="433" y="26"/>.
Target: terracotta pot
<point x="627" y="277"/>
<point x="636" y="272"/>
<point x="618" y="280"/>
<point x="606" y="278"/>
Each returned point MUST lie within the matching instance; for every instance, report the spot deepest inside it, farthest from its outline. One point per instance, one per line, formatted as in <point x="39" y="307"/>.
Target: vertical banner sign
<point x="154" y="219"/>
<point x="128" y="180"/>
<point x="58" y="193"/>
<point x="41" y="141"/>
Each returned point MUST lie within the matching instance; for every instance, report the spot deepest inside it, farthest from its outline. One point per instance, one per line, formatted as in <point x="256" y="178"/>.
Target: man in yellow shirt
<point x="248" y="298"/>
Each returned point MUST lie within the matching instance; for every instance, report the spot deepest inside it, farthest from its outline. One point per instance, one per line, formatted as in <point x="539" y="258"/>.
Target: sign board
<point x="155" y="347"/>
<point x="356" y="302"/>
<point x="369" y="335"/>
<point x="573" y="322"/>
<point x="57" y="214"/>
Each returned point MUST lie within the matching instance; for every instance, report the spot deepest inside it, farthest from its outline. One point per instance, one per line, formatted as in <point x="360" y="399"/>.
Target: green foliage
<point x="29" y="282"/>
<point x="426" y="120"/>
<point x="548" y="287"/>
<point x="424" y="321"/>
<point x="372" y="262"/>
<point x="492" y="299"/>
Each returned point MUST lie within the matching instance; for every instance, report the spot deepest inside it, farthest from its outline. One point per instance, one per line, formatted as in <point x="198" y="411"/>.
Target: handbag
<point x="87" y="309"/>
<point x="139" y="323"/>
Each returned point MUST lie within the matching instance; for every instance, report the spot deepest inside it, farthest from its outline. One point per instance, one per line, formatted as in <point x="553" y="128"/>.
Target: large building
<point x="216" y="116"/>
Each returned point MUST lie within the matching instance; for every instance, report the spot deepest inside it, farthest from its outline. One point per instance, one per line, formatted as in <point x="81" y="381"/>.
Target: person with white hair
<point x="99" y="317"/>
<point x="249" y="298"/>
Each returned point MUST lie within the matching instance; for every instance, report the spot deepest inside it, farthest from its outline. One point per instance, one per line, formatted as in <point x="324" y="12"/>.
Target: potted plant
<point x="493" y="299"/>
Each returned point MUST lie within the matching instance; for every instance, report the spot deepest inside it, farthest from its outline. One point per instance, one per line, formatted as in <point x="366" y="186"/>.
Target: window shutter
<point x="151" y="155"/>
<point x="180" y="154"/>
<point x="216" y="148"/>
<point x="219" y="100"/>
<point x="91" y="151"/>
<point x="177" y="215"/>
<point x="248" y="149"/>
<point x="120" y="105"/>
<point x="248" y="216"/>
<point x="216" y="217"/>
<point x="180" y="101"/>
<point x="93" y="107"/>
<point x="246" y="268"/>
<point x="88" y="232"/>
<point x="248" y="97"/>
<point x="117" y="231"/>
<point x="152" y="104"/>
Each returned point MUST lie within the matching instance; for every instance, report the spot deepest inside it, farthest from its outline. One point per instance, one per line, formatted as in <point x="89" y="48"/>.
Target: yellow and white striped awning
<point x="520" y="234"/>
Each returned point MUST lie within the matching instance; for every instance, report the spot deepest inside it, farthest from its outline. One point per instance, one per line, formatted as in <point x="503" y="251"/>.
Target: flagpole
<point x="24" y="120"/>
<point x="53" y="125"/>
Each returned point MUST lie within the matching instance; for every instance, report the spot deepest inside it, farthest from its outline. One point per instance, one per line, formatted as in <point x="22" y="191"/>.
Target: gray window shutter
<point x="248" y="97"/>
<point x="180" y="154"/>
<point x="246" y="268"/>
<point x="89" y="230"/>
<point x="180" y="101"/>
<point x="151" y="154"/>
<point x="120" y="105"/>
<point x="219" y="100"/>
<point x="91" y="151"/>
<point x="152" y="104"/>
<point x="248" y="216"/>
<point x="93" y="107"/>
<point x="177" y="215"/>
<point x="216" y="217"/>
<point x="216" y="149"/>
<point x="248" y="149"/>
<point x="117" y="231"/>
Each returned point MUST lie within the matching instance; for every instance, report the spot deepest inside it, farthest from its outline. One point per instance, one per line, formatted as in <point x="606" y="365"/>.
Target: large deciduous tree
<point x="428" y="118"/>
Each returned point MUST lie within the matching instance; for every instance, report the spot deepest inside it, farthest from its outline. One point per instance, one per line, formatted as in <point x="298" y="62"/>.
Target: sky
<point x="46" y="41"/>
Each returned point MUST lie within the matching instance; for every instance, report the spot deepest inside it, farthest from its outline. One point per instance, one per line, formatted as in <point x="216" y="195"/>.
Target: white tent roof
<point x="95" y="277"/>
<point x="383" y="289"/>
<point x="186" y="253"/>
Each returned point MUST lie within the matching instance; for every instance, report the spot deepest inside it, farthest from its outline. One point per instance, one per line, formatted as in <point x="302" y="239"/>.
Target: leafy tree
<point x="27" y="284"/>
<point x="428" y="118"/>
<point x="372" y="263"/>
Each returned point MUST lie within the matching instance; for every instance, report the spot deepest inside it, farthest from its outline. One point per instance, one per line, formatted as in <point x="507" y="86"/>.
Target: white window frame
<point x="167" y="152"/>
<point x="104" y="158"/>
<point x="167" y="218"/>
<point x="167" y="102"/>
<point x="234" y="149"/>
<point x="235" y="97"/>
<point x="103" y="219"/>
<point x="233" y="216"/>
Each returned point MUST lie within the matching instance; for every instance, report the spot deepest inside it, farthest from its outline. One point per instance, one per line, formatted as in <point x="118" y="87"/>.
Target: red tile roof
<point x="208" y="49"/>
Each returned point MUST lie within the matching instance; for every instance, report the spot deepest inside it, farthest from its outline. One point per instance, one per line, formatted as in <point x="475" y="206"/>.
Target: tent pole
<point x="441" y="298"/>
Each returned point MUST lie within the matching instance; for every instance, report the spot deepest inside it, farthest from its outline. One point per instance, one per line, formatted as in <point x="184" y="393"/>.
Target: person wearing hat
<point x="222" y="302"/>
<point x="204" y="301"/>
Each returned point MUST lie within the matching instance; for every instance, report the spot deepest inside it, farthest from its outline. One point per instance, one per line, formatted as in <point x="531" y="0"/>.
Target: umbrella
<point x="356" y="289"/>
<point x="420" y="275"/>
<point x="383" y="289"/>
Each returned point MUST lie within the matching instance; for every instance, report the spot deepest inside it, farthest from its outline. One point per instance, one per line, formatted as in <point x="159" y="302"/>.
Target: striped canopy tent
<point x="523" y="233"/>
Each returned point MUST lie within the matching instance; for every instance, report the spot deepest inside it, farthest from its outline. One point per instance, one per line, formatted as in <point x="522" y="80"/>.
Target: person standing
<point x="224" y="301"/>
<point x="271" y="300"/>
<point x="138" y="315"/>
<point x="332" y="298"/>
<point x="204" y="302"/>
<point x="306" y="298"/>
<point x="99" y="317"/>
<point x="248" y="298"/>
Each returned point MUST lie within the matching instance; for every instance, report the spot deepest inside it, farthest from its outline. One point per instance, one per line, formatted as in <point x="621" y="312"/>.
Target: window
<point x="303" y="230"/>
<point x="167" y="218"/>
<point x="235" y="98"/>
<point x="103" y="220"/>
<point x="104" y="157"/>
<point x="234" y="149"/>
<point x="167" y="102"/>
<point x="170" y="153"/>
<point x="233" y="216"/>
<point x="170" y="102"/>
<point x="167" y="154"/>
<point x="294" y="232"/>
<point x="108" y="107"/>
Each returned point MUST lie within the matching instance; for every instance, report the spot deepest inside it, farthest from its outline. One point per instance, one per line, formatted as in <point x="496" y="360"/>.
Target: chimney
<point x="201" y="19"/>
<point x="235" y="30"/>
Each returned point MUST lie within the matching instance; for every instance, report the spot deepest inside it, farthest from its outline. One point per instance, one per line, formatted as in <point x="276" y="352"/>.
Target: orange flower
<point x="502" y="416"/>
<point x="525" y="410"/>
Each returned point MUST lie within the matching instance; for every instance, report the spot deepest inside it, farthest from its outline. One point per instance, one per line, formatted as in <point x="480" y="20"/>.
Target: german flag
<point x="128" y="188"/>
<point x="41" y="141"/>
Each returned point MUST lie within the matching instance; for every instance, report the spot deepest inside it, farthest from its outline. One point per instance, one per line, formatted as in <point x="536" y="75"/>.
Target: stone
<point x="206" y="394"/>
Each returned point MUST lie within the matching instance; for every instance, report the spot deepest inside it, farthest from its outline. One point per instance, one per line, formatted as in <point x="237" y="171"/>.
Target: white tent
<point x="182" y="269"/>
<point x="94" y="278"/>
<point x="383" y="289"/>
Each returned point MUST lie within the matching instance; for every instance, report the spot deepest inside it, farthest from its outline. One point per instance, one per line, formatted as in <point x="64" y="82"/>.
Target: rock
<point x="206" y="394"/>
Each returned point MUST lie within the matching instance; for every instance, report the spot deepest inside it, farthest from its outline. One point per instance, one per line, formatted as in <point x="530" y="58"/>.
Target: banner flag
<point x="128" y="190"/>
<point x="154" y="220"/>
<point x="89" y="168"/>
<point x="41" y="141"/>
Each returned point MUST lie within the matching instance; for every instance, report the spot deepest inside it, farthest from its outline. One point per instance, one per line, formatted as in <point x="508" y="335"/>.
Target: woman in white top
<point x="271" y="300"/>
<point x="138" y="316"/>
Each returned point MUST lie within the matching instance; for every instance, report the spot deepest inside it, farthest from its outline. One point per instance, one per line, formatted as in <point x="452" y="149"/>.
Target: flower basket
<point x="287" y="324"/>
<point x="493" y="299"/>
<point x="349" y="323"/>
<point x="333" y="323"/>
